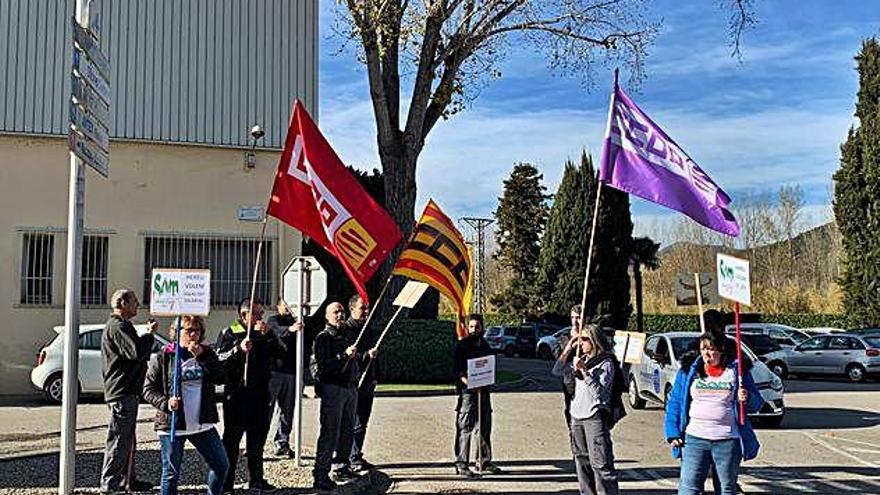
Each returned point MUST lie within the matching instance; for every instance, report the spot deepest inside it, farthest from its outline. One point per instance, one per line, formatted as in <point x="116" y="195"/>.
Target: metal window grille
<point x="230" y="259"/>
<point x="93" y="288"/>
<point x="37" y="258"/>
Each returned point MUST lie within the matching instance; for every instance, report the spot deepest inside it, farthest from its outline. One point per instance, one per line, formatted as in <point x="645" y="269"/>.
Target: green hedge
<point x="418" y="351"/>
<point x="675" y="322"/>
<point x="490" y="319"/>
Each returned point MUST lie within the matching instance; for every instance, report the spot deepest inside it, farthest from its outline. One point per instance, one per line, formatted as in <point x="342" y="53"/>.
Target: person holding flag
<point x="359" y="311"/>
<point x="196" y="407"/>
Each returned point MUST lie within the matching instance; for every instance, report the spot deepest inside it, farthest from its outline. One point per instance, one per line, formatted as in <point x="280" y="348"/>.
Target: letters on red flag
<point x="315" y="194"/>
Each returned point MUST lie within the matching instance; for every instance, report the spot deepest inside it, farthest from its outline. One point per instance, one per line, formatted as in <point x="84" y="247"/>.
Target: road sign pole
<point x="300" y="356"/>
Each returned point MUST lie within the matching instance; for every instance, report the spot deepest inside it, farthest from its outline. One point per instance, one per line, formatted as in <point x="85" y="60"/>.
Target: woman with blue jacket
<point x="702" y="416"/>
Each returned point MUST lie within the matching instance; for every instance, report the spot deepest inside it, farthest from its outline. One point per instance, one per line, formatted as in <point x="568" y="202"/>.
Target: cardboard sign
<point x="175" y="291"/>
<point x="481" y="372"/>
<point x="628" y="346"/>
<point x="410" y="294"/>
<point x="733" y="279"/>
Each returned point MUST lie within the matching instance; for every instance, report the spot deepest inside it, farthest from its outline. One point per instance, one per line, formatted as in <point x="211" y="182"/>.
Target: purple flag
<point x="639" y="158"/>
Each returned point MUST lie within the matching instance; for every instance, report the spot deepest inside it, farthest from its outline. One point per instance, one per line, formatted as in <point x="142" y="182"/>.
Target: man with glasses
<point x="246" y="409"/>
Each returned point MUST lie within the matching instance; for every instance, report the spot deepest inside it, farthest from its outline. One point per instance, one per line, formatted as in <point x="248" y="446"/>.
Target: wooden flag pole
<point x="589" y="260"/>
<point x="699" y="290"/>
<point x="378" y="343"/>
<point x="253" y="292"/>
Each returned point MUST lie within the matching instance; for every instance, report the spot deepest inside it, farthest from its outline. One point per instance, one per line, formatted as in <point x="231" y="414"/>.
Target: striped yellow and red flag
<point x="437" y="255"/>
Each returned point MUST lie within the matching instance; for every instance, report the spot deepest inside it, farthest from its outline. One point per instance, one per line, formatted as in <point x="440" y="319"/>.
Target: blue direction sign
<point x="91" y="75"/>
<point x="88" y="126"/>
<point x="89" y="153"/>
<point x="91" y="103"/>
<point x="91" y="47"/>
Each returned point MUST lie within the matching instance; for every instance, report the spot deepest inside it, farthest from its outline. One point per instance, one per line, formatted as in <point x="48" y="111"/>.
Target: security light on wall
<point x="250" y="158"/>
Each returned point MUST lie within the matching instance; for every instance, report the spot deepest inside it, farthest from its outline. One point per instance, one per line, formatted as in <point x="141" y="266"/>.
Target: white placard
<point x="410" y="294"/>
<point x="733" y="279"/>
<point x="481" y="372"/>
<point x="175" y="291"/>
<point x="628" y="346"/>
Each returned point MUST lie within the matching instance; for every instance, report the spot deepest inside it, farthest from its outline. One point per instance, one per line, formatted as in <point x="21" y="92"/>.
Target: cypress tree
<point x="521" y="216"/>
<point x="857" y="196"/>
<point x="564" y="248"/>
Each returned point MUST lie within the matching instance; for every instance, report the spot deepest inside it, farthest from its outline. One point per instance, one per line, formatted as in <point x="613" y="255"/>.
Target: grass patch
<point x="500" y="377"/>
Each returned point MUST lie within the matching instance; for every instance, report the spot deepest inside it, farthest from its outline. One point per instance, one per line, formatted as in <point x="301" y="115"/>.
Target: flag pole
<point x="739" y="362"/>
<point x="378" y="343"/>
<point x="250" y="321"/>
<point x="699" y="291"/>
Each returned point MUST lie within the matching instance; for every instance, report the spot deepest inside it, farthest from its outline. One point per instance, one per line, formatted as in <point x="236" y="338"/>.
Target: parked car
<point x="549" y="346"/>
<point x="760" y="344"/>
<point x="864" y="331"/>
<point x="813" y="331"/>
<point x="853" y="355"/>
<point x="653" y="378"/>
<point x="784" y="335"/>
<point x="502" y="339"/>
<point x="528" y="335"/>
<point x="46" y="376"/>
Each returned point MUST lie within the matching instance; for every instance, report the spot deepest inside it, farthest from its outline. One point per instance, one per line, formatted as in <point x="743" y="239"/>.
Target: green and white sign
<point x="176" y="291"/>
<point x="733" y="279"/>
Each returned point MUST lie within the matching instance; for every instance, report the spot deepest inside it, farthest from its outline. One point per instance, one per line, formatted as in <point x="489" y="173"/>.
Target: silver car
<point x="502" y="339"/>
<point x="856" y="356"/>
<point x="653" y="378"/>
<point x="783" y="335"/>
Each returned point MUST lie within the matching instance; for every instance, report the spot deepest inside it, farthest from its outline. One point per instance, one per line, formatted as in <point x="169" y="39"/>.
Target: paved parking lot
<point x="829" y="441"/>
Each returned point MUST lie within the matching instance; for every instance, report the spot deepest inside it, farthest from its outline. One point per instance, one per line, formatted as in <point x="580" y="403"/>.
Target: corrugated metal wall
<point x="187" y="71"/>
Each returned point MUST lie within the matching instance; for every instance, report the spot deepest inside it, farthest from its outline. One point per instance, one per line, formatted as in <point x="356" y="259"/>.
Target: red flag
<point x="315" y="194"/>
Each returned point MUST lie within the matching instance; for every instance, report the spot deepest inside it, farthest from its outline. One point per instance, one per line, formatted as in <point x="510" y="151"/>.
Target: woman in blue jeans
<point x="196" y="406"/>
<point x="702" y="416"/>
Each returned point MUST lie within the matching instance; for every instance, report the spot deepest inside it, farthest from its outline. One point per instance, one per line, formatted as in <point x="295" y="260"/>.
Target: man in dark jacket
<point x="471" y="347"/>
<point x="246" y="397"/>
<point x="282" y="384"/>
<point x="124" y="356"/>
<point x="337" y="374"/>
<point x="359" y="311"/>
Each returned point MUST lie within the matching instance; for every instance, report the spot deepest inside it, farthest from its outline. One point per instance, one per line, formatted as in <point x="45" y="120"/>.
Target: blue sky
<point x="775" y="117"/>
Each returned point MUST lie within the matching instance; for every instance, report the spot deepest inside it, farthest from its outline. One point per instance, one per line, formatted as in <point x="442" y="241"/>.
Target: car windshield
<point x="683" y="345"/>
<point x="873" y="341"/>
<point x="797" y="336"/>
<point x="493" y="331"/>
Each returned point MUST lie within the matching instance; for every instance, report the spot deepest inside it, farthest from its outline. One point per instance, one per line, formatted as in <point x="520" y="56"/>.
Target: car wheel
<point x="54" y="388"/>
<point x="508" y="351"/>
<point x="778" y="368"/>
<point x="635" y="400"/>
<point x="855" y="373"/>
<point x="545" y="353"/>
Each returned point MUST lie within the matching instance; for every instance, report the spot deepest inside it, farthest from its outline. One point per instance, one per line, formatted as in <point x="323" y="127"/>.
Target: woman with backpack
<point x="702" y="416"/>
<point x="595" y="371"/>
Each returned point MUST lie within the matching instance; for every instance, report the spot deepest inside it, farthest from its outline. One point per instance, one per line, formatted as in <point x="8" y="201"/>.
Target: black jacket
<point x="158" y="386"/>
<point x="330" y="359"/>
<point x="124" y="357"/>
<point x="280" y="326"/>
<point x="470" y="347"/>
<point x="369" y="367"/>
<point x="263" y="352"/>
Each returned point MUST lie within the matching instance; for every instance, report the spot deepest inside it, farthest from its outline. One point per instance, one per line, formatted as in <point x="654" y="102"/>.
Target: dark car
<point x="528" y="335"/>
<point x="760" y="344"/>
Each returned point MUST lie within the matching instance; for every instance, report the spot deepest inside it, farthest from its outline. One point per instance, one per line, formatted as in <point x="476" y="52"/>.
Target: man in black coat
<point x="124" y="356"/>
<point x="246" y="398"/>
<point x="471" y="347"/>
<point x="369" y="366"/>
<point x="282" y="384"/>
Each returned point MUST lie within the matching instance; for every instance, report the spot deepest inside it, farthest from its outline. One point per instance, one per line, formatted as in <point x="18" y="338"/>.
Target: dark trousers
<point x="466" y="423"/>
<point x="364" y="409"/>
<point x="246" y="412"/>
<point x="120" y="442"/>
<point x="594" y="456"/>
<point x="282" y="392"/>
<point x="208" y="445"/>
<point x="337" y="417"/>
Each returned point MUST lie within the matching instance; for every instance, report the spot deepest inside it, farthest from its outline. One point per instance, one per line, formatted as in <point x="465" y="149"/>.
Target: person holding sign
<point x="200" y="371"/>
<point x="246" y="395"/>
<point x="702" y="416"/>
<point x="472" y="402"/>
<point x="124" y="355"/>
<point x="594" y="372"/>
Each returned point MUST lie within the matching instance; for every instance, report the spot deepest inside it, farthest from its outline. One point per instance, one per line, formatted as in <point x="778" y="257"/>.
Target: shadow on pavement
<point x="802" y="385"/>
<point x="828" y="418"/>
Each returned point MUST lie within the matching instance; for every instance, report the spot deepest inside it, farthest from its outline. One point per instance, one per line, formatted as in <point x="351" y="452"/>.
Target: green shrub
<point x="418" y="351"/>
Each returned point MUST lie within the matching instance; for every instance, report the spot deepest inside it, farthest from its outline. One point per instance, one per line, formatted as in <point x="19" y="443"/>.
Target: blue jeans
<point x="208" y="445"/>
<point x="699" y="454"/>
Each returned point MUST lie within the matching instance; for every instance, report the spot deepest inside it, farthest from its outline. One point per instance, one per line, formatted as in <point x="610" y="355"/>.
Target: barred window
<point x="93" y="287"/>
<point x="230" y="259"/>
<point x="37" y="258"/>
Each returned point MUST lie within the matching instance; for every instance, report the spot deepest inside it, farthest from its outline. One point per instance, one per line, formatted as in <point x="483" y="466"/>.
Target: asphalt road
<point x="829" y="441"/>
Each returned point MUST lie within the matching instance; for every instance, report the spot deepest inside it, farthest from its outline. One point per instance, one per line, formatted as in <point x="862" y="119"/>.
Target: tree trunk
<point x="640" y="317"/>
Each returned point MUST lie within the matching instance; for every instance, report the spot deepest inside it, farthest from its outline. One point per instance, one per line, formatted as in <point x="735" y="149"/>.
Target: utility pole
<point x="479" y="225"/>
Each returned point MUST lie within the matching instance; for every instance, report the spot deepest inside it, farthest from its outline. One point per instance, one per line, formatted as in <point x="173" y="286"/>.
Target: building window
<point x="37" y="258"/>
<point x="230" y="259"/>
<point x="93" y="288"/>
